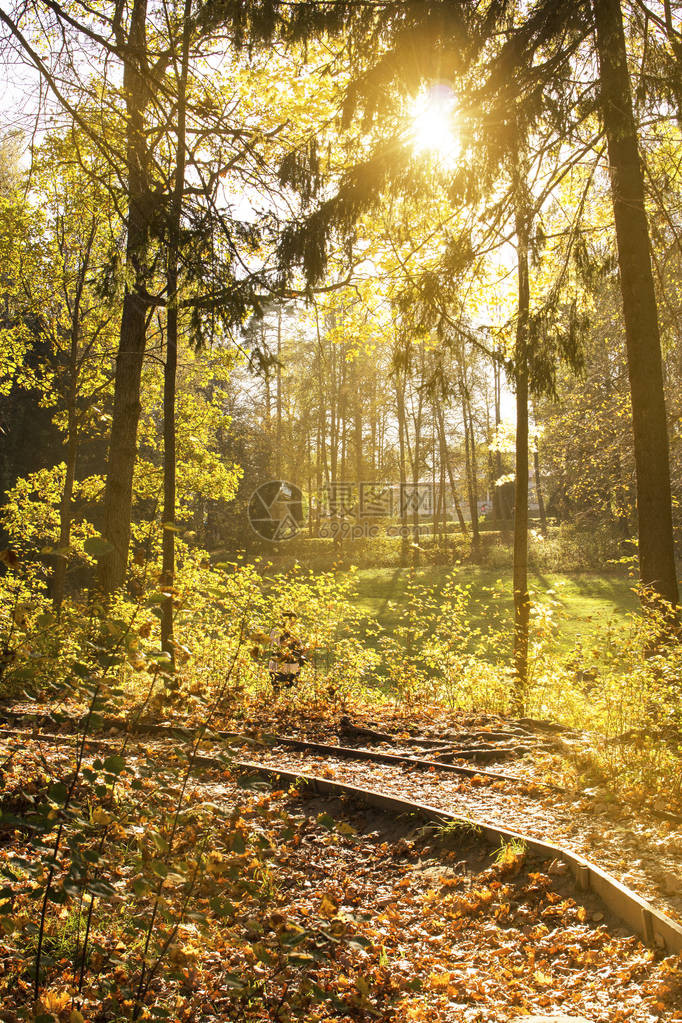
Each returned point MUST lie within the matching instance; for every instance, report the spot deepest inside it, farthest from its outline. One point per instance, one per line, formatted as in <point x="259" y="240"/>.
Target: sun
<point x="433" y="124"/>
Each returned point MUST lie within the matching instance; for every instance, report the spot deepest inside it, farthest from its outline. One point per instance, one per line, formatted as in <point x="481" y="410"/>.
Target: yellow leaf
<point x="54" y="1001"/>
<point x="362" y="986"/>
<point x="328" y="906"/>
<point x="542" y="978"/>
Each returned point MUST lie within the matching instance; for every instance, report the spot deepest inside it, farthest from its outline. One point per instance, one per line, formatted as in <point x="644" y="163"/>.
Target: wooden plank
<point x="654" y="927"/>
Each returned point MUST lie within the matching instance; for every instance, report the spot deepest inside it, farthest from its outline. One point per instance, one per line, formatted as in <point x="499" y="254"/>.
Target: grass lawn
<point x="587" y="599"/>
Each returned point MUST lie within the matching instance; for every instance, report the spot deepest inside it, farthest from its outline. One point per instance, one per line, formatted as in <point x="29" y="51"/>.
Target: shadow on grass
<point x="588" y="600"/>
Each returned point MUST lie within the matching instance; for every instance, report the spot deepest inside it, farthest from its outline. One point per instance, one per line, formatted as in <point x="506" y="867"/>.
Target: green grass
<point x="588" y="600"/>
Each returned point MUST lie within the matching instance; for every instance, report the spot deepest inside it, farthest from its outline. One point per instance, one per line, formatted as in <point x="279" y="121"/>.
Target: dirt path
<point x="643" y="852"/>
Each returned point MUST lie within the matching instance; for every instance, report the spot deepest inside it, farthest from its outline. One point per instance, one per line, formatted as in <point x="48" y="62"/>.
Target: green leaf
<point x="300" y="958"/>
<point x="57" y="791"/>
<point x="238" y="844"/>
<point x="234" y="981"/>
<point x="197" y="916"/>
<point x="114" y="764"/>
<point x="159" y="841"/>
<point x="97" y="547"/>
<point x="222" y="907"/>
<point x="102" y="889"/>
<point x="292" y="937"/>
<point x="158" y="657"/>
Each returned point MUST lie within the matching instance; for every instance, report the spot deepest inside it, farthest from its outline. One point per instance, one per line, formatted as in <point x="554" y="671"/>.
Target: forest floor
<point x="557" y="798"/>
<point x="641" y="849"/>
<point x="639" y="843"/>
<point x="343" y="914"/>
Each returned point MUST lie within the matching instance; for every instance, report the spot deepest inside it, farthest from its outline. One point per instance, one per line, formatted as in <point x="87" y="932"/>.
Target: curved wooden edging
<point x="655" y="928"/>
<point x="168" y="730"/>
<point x="379" y="756"/>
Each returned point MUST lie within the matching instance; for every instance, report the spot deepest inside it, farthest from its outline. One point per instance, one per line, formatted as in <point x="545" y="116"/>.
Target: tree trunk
<point x="72" y="444"/>
<point x="471" y="487"/>
<point x="442" y="498"/>
<point x="435" y="495"/>
<point x="521" y="595"/>
<point x="381" y="442"/>
<point x="497" y="501"/>
<point x="538" y="490"/>
<point x="675" y="72"/>
<point x="72" y="430"/>
<point x="445" y="457"/>
<point x="645" y="369"/>
<point x="373" y="426"/>
<point x="538" y="482"/>
<point x="400" y="404"/>
<point x="344" y="446"/>
<point x="309" y="477"/>
<point x="267" y="425"/>
<point x="323" y="449"/>
<point x="278" y="435"/>
<point x="169" y="457"/>
<point x="333" y="418"/>
<point x="476" y="536"/>
<point x="358" y="433"/>
<point x="126" y="407"/>
<point x="621" y="515"/>
<point x="318" y="475"/>
<point x="170" y="369"/>
<point x="490" y="466"/>
<point x="415" y="462"/>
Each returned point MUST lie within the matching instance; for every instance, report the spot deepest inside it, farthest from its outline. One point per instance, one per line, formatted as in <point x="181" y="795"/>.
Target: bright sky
<point x="434" y="134"/>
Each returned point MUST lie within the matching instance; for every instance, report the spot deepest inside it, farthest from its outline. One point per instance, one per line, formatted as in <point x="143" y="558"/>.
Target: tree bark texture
<point x="521" y="595"/>
<point x="170" y="369"/>
<point x="126" y="406"/>
<point x="645" y="366"/>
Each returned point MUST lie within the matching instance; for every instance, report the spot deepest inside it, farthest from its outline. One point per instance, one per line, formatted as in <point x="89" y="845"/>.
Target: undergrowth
<point x="94" y="830"/>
